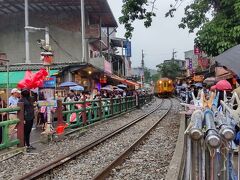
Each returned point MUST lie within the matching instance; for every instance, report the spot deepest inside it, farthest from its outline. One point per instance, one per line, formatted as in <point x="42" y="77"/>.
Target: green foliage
<point x="135" y="10"/>
<point x="221" y="32"/>
<point x="169" y="69"/>
<point x="156" y="77"/>
<point x="217" y="21"/>
<point x="147" y="75"/>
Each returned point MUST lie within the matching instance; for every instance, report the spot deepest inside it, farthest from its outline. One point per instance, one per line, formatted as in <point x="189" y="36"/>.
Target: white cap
<point x="15" y="90"/>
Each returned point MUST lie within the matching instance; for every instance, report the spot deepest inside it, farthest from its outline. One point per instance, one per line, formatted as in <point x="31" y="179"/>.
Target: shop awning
<point x="131" y="83"/>
<point x="230" y="59"/>
<point x="124" y="81"/>
<point x="15" y="77"/>
<point x="221" y="74"/>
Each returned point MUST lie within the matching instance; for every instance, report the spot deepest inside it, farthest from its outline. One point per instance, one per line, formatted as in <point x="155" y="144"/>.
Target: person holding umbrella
<point x="221" y="86"/>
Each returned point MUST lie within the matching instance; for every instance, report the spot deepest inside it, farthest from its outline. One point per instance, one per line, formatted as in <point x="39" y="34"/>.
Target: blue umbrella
<point x="122" y="86"/>
<point x="77" y="88"/>
<point x="68" y="84"/>
<point x="198" y="85"/>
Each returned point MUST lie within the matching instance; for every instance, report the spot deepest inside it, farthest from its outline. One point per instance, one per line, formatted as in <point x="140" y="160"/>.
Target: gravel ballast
<point x="89" y="164"/>
<point x="24" y="163"/>
<point x="151" y="160"/>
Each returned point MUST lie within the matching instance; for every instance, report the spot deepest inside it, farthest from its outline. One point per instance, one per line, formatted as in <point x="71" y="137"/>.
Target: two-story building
<point x="63" y="19"/>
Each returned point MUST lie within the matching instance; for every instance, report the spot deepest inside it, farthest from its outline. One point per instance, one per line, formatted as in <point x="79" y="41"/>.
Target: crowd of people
<point x="16" y="97"/>
<point x="36" y="116"/>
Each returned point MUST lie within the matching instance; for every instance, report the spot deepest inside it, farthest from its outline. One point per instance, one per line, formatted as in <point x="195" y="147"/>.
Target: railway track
<point x="120" y="159"/>
<point x="49" y="168"/>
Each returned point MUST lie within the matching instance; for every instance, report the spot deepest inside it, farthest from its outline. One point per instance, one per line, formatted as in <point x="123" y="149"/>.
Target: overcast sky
<point x="160" y="39"/>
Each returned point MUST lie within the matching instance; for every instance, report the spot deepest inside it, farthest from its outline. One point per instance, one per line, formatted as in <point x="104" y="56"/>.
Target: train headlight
<point x="169" y="82"/>
<point x="160" y="82"/>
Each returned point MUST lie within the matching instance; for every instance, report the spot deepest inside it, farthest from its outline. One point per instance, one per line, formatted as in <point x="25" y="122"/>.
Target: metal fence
<point x="76" y="114"/>
<point x="8" y="141"/>
<point x="210" y="138"/>
<point x="81" y="113"/>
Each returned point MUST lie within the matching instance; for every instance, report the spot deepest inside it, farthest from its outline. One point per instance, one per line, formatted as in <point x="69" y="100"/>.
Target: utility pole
<point x="27" y="47"/>
<point x="173" y="54"/>
<point x="83" y="31"/>
<point x="142" y="67"/>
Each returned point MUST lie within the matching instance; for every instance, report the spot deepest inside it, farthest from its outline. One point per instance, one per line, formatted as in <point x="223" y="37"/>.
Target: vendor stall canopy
<point x="95" y="8"/>
<point x="230" y="59"/>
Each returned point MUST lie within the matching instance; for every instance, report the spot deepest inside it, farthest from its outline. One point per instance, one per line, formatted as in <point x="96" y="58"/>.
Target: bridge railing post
<point x="20" y="125"/>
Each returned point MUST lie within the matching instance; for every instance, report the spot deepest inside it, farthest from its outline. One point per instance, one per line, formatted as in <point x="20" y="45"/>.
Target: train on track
<point x="164" y="87"/>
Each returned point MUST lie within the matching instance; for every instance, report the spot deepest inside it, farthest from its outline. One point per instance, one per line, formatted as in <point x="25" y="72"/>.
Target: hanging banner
<point x="197" y="50"/>
<point x="128" y="49"/>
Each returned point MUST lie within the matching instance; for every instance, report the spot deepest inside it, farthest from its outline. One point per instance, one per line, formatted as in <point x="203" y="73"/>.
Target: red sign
<point x="197" y="51"/>
<point x="203" y="62"/>
<point x="103" y="80"/>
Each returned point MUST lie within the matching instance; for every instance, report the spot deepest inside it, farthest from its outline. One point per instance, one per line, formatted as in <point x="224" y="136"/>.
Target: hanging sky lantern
<point x="47" y="58"/>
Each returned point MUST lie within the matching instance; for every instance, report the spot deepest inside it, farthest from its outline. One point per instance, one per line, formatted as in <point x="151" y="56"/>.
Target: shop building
<point x="63" y="18"/>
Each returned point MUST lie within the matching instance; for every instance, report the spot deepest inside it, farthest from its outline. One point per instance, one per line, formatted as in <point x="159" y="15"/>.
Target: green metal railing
<point x="4" y="125"/>
<point x="88" y="112"/>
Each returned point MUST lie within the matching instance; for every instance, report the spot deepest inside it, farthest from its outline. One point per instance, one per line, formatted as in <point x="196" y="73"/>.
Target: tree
<point x="217" y="21"/>
<point x="156" y="77"/>
<point x="147" y="75"/>
<point x="136" y="10"/>
<point x="169" y="69"/>
<point x="221" y="32"/>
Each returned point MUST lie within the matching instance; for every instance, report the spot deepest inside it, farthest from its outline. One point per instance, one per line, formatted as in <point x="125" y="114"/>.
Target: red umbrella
<point x="223" y="85"/>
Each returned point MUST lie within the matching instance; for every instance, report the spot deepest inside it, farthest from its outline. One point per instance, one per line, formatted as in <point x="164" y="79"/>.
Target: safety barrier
<point x="77" y="114"/>
<point x="85" y="112"/>
<point x="210" y="138"/>
<point x="6" y="139"/>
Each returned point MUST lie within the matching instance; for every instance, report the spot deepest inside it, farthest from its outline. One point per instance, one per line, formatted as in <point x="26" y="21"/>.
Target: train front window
<point x="165" y="84"/>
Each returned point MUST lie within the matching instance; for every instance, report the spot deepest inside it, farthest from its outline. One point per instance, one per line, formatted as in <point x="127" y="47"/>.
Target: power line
<point x="64" y="50"/>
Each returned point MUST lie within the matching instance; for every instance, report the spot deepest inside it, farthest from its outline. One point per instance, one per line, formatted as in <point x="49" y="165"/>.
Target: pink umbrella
<point x="223" y="85"/>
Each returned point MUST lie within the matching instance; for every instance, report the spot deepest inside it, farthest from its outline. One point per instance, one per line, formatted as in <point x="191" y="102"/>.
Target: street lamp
<point x="7" y="61"/>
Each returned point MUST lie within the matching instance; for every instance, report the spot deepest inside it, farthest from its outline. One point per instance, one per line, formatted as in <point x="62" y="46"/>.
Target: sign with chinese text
<point x="190" y="64"/>
<point x="128" y="49"/>
<point x="50" y="103"/>
<point x="197" y="51"/>
<point x="50" y="82"/>
<point x="203" y="62"/>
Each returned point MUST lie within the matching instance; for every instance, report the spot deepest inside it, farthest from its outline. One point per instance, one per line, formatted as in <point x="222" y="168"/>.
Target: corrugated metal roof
<point x="95" y="8"/>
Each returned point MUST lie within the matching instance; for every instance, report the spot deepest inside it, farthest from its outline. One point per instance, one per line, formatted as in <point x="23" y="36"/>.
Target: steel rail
<point x="120" y="159"/>
<point x="60" y="161"/>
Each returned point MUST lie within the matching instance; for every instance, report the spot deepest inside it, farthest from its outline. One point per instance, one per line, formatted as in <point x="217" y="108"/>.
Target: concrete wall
<point x="12" y="41"/>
